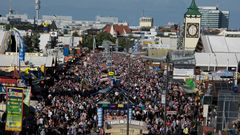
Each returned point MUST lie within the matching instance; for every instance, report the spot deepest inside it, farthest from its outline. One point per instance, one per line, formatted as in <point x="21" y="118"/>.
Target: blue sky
<point x="163" y="11"/>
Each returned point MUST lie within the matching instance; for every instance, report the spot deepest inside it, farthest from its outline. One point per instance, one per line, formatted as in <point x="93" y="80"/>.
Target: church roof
<point x="119" y="29"/>
<point x="193" y="9"/>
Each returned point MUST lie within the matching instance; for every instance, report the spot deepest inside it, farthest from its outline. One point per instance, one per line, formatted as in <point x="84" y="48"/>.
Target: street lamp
<point x="129" y="75"/>
<point x="164" y="96"/>
<point x="129" y="71"/>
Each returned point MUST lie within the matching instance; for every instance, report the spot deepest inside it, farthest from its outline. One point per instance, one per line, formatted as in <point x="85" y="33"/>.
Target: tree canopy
<point x="100" y="37"/>
<point x="124" y="42"/>
<point x="32" y="42"/>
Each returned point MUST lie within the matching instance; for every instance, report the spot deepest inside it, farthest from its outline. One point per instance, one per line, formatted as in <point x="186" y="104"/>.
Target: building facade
<point x="107" y="19"/>
<point x="212" y="17"/>
<point x="146" y="22"/>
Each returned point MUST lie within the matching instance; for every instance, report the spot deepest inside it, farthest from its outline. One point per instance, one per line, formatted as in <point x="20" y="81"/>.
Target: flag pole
<point x="19" y="67"/>
<point x="19" y="62"/>
<point x="20" y="47"/>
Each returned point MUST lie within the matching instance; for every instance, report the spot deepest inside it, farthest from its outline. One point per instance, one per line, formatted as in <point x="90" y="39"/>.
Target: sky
<point x="163" y="11"/>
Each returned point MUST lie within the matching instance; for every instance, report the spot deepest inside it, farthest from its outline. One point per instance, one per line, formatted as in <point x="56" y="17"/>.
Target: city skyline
<point x="125" y="10"/>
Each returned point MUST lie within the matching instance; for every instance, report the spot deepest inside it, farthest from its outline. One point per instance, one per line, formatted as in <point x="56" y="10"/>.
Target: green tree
<point x="125" y="42"/>
<point x="100" y="37"/>
<point x="28" y="42"/>
<point x="87" y="41"/>
<point x="75" y="34"/>
<point x="104" y="36"/>
<point x="32" y="42"/>
<point x="35" y="41"/>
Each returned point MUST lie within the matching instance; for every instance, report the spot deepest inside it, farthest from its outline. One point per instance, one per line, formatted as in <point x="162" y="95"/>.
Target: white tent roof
<point x="44" y="38"/>
<point x="11" y="60"/>
<point x="220" y="44"/>
<point x="3" y="46"/>
<point x="233" y="44"/>
<point x="205" y="59"/>
<point x="217" y="59"/>
<point x="226" y="59"/>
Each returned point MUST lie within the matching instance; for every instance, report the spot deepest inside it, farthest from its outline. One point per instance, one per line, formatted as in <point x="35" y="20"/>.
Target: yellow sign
<point x="120" y="105"/>
<point x="45" y="24"/>
<point x="111" y="73"/>
<point x="148" y="42"/>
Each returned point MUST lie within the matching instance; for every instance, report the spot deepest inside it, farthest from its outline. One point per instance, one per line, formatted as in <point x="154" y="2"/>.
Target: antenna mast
<point x="10" y="8"/>
<point x="37" y="8"/>
<point x="143" y="12"/>
<point x="217" y="4"/>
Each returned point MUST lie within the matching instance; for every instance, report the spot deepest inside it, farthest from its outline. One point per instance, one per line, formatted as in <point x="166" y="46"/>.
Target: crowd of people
<point x="70" y="107"/>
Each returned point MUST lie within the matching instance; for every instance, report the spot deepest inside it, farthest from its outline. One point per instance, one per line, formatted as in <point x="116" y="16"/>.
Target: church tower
<point x="192" y="19"/>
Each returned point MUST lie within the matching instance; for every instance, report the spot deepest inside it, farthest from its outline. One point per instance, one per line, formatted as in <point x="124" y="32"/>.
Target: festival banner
<point x="21" y="45"/>
<point x="14" y="109"/>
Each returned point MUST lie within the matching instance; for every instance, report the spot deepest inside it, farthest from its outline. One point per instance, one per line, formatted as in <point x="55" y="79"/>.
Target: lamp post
<point x="165" y="93"/>
<point x="129" y="79"/>
<point x="129" y="71"/>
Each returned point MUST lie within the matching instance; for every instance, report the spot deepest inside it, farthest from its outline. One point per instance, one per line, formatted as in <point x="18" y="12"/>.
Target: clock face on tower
<point x="192" y="30"/>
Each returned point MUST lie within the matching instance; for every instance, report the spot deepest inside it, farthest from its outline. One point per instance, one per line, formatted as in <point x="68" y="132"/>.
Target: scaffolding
<point x="227" y="106"/>
<point x="107" y="45"/>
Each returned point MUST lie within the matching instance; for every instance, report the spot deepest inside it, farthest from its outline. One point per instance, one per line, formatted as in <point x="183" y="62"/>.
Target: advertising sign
<point x="100" y="117"/>
<point x="65" y="51"/>
<point x="111" y="73"/>
<point x="130" y="113"/>
<point x="163" y="99"/>
<point x="14" y="109"/>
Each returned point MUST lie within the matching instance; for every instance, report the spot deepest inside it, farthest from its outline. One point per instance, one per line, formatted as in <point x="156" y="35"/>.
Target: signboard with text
<point x="14" y="109"/>
<point x="100" y="117"/>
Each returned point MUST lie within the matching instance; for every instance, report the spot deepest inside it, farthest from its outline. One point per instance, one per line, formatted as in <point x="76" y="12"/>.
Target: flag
<point x="21" y="45"/>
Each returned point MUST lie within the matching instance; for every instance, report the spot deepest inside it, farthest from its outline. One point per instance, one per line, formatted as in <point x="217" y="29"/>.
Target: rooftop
<point x="208" y="7"/>
<point x="193" y="9"/>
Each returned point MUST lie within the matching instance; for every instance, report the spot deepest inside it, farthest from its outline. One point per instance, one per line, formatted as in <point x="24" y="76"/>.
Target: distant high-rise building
<point x="146" y="22"/>
<point x="107" y="19"/>
<point x="212" y="17"/>
<point x="224" y="19"/>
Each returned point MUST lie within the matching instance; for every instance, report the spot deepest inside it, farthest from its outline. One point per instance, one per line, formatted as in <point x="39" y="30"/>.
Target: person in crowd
<point x="71" y="109"/>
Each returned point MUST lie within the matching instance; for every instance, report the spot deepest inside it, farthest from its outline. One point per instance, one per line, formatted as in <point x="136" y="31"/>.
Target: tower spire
<point x="193" y="9"/>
